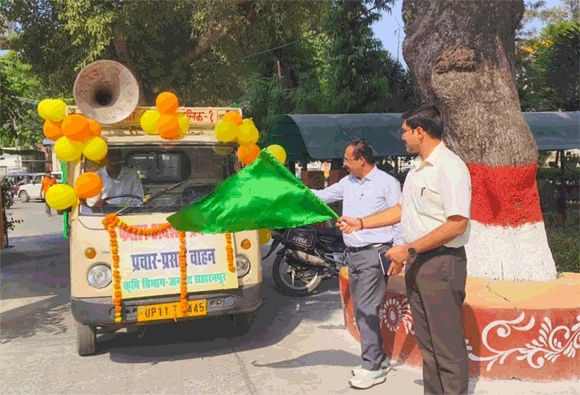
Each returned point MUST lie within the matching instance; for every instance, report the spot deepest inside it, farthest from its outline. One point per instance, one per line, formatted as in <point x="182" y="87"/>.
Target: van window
<point x="198" y="169"/>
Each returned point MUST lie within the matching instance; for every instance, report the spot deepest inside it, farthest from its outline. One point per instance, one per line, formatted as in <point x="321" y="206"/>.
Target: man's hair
<point x="362" y="148"/>
<point x="426" y="117"/>
<point x="48" y="172"/>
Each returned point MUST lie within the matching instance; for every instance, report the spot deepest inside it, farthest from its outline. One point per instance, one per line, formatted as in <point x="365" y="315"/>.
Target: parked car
<point x="31" y="190"/>
<point x="17" y="179"/>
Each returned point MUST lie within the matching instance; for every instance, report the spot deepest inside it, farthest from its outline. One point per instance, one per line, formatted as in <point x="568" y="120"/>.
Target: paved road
<point x="34" y="220"/>
<point x="296" y="345"/>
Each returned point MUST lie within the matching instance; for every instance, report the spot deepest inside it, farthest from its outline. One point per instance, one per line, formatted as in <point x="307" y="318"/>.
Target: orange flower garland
<point x="183" y="267"/>
<point x="110" y="222"/>
<point x="230" y="252"/>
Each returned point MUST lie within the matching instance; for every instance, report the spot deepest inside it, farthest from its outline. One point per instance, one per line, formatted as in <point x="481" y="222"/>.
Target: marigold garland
<point x="183" y="268"/>
<point x="110" y="222"/>
<point x="230" y="253"/>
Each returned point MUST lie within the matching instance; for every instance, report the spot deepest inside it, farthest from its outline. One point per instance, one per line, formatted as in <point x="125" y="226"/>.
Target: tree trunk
<point x="462" y="54"/>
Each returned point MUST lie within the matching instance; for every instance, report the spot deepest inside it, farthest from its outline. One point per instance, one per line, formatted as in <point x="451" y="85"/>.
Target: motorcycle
<point x="308" y="256"/>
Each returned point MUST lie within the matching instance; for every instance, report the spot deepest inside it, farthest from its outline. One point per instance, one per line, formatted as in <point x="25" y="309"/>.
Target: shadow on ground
<point x="277" y="318"/>
<point x="37" y="266"/>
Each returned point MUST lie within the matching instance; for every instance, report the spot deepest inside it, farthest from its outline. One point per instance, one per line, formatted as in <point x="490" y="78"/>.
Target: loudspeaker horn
<point x="106" y="91"/>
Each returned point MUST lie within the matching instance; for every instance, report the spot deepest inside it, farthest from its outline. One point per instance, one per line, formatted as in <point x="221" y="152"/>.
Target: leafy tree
<point x="547" y="69"/>
<point x="358" y="74"/>
<point x="21" y="90"/>
<point x="190" y="46"/>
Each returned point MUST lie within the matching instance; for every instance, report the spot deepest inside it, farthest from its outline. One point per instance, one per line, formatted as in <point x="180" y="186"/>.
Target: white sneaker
<point x="385" y="367"/>
<point x="367" y="378"/>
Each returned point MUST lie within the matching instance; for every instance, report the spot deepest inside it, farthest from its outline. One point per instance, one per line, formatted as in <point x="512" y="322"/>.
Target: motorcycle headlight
<point x="242" y="265"/>
<point x="99" y="276"/>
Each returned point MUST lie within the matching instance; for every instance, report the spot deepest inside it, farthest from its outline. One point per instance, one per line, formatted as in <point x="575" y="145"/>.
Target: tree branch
<point x="204" y="43"/>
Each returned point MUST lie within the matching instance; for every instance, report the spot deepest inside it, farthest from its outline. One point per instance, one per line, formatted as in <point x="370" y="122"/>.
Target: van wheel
<point x="86" y="339"/>
<point x="23" y="196"/>
<point x="242" y="322"/>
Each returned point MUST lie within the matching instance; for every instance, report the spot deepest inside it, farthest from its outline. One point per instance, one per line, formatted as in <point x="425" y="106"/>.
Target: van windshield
<point x="130" y="173"/>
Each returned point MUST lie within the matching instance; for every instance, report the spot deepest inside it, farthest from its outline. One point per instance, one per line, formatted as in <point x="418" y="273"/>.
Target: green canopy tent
<point x="324" y="136"/>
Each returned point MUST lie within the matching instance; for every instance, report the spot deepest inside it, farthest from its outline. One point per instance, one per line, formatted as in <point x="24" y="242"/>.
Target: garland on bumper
<point x="230" y="253"/>
<point x="183" y="268"/>
<point x="110" y="222"/>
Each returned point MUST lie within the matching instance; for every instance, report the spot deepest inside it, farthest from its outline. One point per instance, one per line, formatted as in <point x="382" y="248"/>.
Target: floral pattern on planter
<point x="395" y="311"/>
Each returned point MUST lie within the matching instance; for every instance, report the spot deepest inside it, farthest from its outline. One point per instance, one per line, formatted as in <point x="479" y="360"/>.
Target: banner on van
<point x="263" y="195"/>
<point x="149" y="265"/>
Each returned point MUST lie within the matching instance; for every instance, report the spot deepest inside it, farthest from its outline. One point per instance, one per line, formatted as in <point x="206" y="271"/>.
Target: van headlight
<point x="242" y="265"/>
<point x="99" y="276"/>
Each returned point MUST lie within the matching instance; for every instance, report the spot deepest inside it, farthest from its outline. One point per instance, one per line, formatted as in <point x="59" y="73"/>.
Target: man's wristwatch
<point x="412" y="252"/>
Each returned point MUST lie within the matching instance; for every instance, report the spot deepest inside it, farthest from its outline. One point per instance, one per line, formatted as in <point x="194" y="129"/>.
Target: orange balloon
<point x="234" y="117"/>
<point x="168" y="127"/>
<point x="88" y="185"/>
<point x="52" y="130"/>
<point x="167" y="103"/>
<point x="95" y="128"/>
<point x="248" y="153"/>
<point x="76" y="128"/>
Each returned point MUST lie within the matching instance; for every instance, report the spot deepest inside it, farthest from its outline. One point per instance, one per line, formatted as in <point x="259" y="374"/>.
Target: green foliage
<point x="192" y="47"/>
<point x="9" y="223"/>
<point x="547" y="69"/>
<point x="21" y="90"/>
<point x="339" y="67"/>
<point x="358" y="75"/>
<point x="563" y="241"/>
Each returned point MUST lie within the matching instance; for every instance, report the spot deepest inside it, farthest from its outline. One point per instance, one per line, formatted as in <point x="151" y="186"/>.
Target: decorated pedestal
<point x="513" y="330"/>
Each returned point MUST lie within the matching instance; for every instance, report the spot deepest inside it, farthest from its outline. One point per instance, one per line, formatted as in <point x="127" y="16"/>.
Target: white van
<point x="32" y="190"/>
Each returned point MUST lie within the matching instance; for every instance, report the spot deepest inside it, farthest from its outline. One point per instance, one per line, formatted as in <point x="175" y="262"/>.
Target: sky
<point x="387" y="29"/>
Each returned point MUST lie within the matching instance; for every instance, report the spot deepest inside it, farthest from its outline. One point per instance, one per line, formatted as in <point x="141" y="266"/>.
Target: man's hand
<point x="395" y="268"/>
<point x="348" y="225"/>
<point x="98" y="203"/>
<point x="398" y="254"/>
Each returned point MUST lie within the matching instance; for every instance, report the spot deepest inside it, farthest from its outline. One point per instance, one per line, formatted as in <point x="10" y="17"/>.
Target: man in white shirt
<point x="366" y="191"/>
<point x="434" y="212"/>
<point x="117" y="180"/>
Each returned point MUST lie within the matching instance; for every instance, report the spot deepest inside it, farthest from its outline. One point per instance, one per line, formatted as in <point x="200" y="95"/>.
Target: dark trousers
<point x="47" y="207"/>
<point x="436" y="291"/>
<point x="368" y="286"/>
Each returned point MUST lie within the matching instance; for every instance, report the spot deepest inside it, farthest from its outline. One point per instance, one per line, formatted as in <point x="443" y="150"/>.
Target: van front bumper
<point x="101" y="311"/>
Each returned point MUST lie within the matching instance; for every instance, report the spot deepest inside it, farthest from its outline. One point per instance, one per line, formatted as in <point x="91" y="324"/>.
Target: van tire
<point x="242" y="322"/>
<point x="86" y="339"/>
<point x="23" y="196"/>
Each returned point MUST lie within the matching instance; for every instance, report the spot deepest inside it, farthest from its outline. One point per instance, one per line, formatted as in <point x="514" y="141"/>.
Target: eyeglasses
<point x="350" y="160"/>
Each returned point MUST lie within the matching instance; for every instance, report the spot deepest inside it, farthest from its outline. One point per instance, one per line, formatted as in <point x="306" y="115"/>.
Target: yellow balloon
<point x="60" y="196"/>
<point x="183" y="124"/>
<point x="149" y="120"/>
<point x="68" y="150"/>
<point x="53" y="110"/>
<point x="278" y="152"/>
<point x="226" y="131"/>
<point x="95" y="149"/>
<point x="249" y="134"/>
<point x="264" y="235"/>
<point x="43" y="108"/>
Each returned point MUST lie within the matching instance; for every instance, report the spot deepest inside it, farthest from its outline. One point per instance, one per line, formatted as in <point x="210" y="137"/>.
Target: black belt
<point x="367" y="247"/>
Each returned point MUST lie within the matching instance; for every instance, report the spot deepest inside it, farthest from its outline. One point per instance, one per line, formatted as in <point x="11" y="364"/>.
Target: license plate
<point x="164" y="311"/>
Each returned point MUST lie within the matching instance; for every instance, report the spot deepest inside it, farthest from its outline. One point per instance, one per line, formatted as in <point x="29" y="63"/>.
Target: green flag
<point x="263" y="195"/>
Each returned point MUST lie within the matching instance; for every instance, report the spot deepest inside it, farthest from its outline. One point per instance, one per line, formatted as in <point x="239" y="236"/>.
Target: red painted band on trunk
<point x="505" y="196"/>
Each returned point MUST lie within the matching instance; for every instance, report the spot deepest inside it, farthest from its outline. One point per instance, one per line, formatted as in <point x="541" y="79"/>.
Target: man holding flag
<point x="266" y="195"/>
<point x="366" y="191"/>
